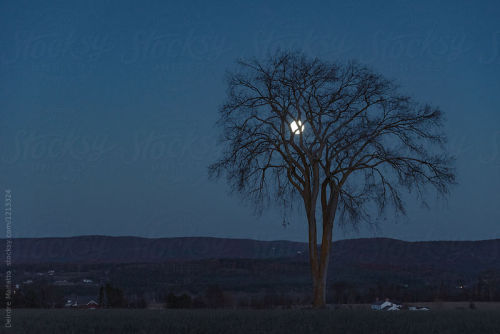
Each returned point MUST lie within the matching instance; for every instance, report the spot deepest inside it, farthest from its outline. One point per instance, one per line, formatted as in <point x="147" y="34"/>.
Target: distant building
<point x="418" y="308"/>
<point x="86" y="280"/>
<point x="386" y="305"/>
<point x="85" y="302"/>
<point x="380" y="304"/>
<point x="393" y="307"/>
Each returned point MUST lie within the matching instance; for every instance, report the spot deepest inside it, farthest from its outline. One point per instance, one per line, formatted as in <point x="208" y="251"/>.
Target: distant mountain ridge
<point x="107" y="249"/>
<point x="369" y="253"/>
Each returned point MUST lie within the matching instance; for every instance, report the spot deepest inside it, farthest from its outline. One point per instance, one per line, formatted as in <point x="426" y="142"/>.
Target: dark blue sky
<point x="107" y="108"/>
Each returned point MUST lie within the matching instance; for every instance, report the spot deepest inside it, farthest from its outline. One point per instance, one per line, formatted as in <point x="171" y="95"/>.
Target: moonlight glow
<point x="297" y="127"/>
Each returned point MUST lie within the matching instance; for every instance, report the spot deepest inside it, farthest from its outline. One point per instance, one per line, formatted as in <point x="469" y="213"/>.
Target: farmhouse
<point x="87" y="302"/>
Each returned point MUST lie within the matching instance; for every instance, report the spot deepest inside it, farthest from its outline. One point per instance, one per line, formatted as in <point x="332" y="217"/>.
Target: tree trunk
<point x="313" y="256"/>
<point x="319" y="277"/>
<point x="319" y="265"/>
<point x="319" y="290"/>
<point x="320" y="262"/>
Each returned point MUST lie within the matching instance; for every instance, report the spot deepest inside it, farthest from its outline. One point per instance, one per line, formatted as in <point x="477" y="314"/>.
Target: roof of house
<point x="83" y="300"/>
<point x="380" y="302"/>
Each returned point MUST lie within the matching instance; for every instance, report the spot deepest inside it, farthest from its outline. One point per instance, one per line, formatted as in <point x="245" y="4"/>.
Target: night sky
<point x="107" y="109"/>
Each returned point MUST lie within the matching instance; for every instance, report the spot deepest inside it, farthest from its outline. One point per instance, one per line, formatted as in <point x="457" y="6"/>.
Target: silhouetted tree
<point x="137" y="301"/>
<point x="338" y="136"/>
<point x="101" y="297"/>
<point x="198" y="302"/>
<point x="113" y="297"/>
<point x="40" y="295"/>
<point x="214" y="296"/>
<point x="182" y="301"/>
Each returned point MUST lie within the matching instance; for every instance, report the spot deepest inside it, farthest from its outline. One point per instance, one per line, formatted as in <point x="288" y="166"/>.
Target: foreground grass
<point x="241" y="321"/>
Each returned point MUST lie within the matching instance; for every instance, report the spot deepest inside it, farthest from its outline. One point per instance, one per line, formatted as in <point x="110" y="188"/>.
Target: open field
<point x="243" y="321"/>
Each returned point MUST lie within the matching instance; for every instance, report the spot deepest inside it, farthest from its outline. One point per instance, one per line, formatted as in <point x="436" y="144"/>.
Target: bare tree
<point x="337" y="136"/>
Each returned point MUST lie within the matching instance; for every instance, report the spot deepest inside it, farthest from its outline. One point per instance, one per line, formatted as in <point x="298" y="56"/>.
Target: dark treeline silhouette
<point x="38" y="295"/>
<point x="486" y="288"/>
<point x="365" y="269"/>
<point x="213" y="298"/>
<point x="44" y="295"/>
<point x="482" y="290"/>
<point x="111" y="297"/>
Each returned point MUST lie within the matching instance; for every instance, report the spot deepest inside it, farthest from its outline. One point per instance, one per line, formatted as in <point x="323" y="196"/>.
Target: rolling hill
<point x="369" y="253"/>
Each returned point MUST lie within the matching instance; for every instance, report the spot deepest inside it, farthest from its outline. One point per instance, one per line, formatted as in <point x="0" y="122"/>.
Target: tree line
<point x="486" y="287"/>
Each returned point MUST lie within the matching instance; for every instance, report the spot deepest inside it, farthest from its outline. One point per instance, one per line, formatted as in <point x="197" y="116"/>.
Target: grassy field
<point x="265" y="321"/>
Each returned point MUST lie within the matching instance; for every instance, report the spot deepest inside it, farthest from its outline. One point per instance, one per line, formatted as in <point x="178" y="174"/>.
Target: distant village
<point x="97" y="286"/>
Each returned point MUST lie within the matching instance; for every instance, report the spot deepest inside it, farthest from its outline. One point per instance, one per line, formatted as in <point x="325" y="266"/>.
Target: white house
<point x="379" y="305"/>
<point x="393" y="307"/>
<point x="386" y="305"/>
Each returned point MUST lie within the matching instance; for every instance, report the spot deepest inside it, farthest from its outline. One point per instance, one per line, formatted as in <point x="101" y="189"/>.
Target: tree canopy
<point x="337" y="135"/>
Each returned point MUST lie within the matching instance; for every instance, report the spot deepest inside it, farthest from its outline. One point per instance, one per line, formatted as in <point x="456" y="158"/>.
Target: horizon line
<point x="239" y="238"/>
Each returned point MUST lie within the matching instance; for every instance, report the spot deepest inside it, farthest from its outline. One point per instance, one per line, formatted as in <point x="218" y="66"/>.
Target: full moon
<point x="297" y="127"/>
